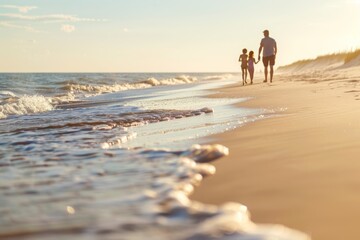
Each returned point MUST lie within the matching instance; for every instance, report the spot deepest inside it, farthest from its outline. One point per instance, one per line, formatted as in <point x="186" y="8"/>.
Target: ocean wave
<point x="75" y="90"/>
<point x="61" y="99"/>
<point x="123" y="120"/>
<point x="169" y="199"/>
<point x="25" y="105"/>
<point x="125" y="197"/>
<point x="150" y="82"/>
<point x="218" y="77"/>
<point x="7" y="94"/>
<point x="71" y="91"/>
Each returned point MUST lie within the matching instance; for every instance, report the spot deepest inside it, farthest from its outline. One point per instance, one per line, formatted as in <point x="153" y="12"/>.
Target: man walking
<point x="269" y="53"/>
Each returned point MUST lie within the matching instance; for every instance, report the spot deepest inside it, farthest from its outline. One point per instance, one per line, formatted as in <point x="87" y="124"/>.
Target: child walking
<point x="244" y="65"/>
<point x="251" y="68"/>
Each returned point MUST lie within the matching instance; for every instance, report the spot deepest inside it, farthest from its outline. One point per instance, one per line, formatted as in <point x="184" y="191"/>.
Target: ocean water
<point x="116" y="155"/>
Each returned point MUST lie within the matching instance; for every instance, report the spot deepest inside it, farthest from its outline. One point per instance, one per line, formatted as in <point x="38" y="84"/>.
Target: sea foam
<point x="7" y="94"/>
<point x="11" y="104"/>
<point x="25" y="105"/>
<point x="146" y="194"/>
<point x="218" y="77"/>
<point x="150" y="82"/>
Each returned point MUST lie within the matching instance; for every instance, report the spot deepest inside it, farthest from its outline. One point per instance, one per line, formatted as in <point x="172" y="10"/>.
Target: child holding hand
<point x="250" y="67"/>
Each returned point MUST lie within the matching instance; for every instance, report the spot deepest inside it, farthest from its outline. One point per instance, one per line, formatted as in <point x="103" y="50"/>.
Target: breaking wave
<point x="4" y="94"/>
<point x="24" y="105"/>
<point x="150" y="82"/>
<point x="219" y="77"/>
<point x="11" y="104"/>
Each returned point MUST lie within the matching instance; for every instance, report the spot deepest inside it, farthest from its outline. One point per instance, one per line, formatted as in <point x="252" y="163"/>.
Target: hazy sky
<point x="167" y="35"/>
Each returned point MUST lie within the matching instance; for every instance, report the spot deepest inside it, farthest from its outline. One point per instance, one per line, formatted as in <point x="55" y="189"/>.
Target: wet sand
<point x="301" y="168"/>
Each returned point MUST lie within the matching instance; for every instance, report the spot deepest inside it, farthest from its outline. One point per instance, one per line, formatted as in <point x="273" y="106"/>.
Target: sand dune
<point x="324" y="63"/>
<point x="300" y="169"/>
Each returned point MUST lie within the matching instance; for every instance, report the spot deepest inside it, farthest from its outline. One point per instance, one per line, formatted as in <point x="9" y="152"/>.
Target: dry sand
<point x="302" y="168"/>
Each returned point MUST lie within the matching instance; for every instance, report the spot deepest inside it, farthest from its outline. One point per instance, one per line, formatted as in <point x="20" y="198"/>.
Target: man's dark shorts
<point x="269" y="59"/>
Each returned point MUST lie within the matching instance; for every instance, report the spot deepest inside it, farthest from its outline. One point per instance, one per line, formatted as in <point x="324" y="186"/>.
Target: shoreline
<point x="299" y="169"/>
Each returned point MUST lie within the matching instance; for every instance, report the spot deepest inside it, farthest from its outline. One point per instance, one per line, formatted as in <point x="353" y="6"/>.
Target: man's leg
<point x="266" y="73"/>
<point x="272" y="63"/>
<point x="266" y="63"/>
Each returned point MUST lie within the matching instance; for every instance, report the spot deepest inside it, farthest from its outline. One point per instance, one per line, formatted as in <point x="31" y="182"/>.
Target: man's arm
<point x="275" y="49"/>
<point x="260" y="49"/>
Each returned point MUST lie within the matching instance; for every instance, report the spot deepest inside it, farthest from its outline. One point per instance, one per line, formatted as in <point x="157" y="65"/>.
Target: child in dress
<point x="251" y="68"/>
<point x="244" y="64"/>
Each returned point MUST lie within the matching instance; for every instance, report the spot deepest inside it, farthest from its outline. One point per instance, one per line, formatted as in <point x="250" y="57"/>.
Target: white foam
<point x="150" y="82"/>
<point x="70" y="96"/>
<point x="233" y="220"/>
<point x="183" y="79"/>
<point x="230" y="221"/>
<point x="25" y="105"/>
<point x="118" y="140"/>
<point x="219" y="77"/>
<point x="7" y="94"/>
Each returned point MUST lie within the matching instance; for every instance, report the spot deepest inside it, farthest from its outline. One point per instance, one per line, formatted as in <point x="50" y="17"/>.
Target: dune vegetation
<point x="328" y="61"/>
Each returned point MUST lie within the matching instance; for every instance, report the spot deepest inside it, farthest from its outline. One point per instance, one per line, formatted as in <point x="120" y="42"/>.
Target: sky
<point x="168" y="35"/>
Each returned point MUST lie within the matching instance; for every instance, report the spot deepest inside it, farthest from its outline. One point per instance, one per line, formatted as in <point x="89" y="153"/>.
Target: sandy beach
<point x="301" y="168"/>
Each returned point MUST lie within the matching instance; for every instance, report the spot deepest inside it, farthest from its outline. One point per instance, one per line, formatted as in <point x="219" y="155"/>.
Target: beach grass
<point x="344" y="56"/>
